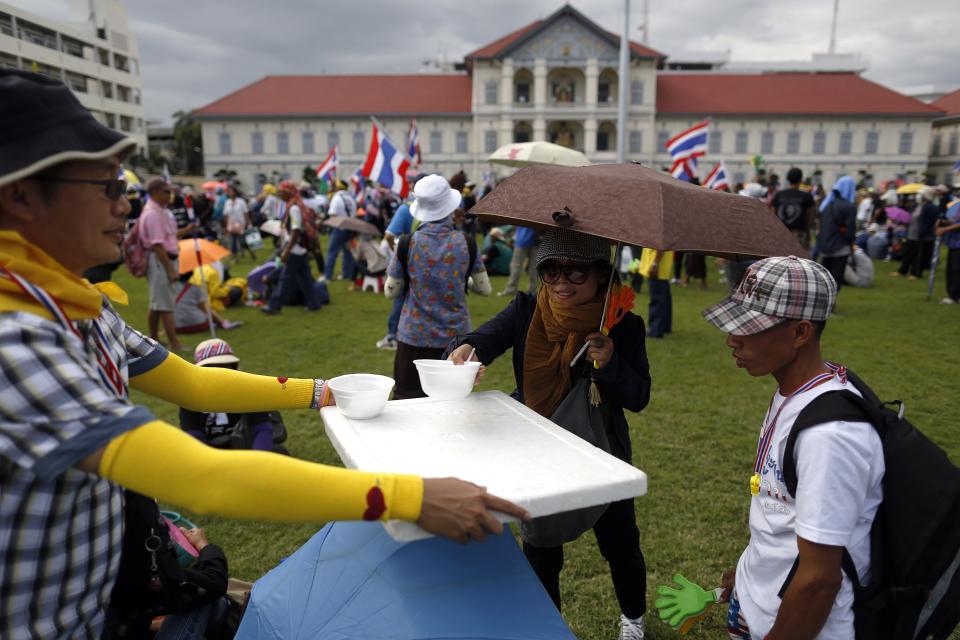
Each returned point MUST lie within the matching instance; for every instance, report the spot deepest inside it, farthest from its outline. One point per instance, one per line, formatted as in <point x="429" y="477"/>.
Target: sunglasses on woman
<point x="550" y="272"/>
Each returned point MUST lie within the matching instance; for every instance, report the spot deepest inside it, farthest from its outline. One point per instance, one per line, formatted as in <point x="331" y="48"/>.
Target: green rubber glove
<point x="680" y="608"/>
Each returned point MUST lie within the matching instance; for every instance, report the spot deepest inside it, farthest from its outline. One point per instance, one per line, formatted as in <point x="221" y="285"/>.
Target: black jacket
<point x="624" y="383"/>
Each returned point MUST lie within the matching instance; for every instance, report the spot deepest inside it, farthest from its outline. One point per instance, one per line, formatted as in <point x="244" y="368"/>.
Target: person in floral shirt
<point x="435" y="276"/>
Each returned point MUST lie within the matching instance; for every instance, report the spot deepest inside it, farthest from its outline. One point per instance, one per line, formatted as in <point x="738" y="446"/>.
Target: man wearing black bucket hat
<point x="69" y="434"/>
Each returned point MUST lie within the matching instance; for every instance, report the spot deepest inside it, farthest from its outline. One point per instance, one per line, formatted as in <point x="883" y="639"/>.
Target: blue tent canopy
<point x="352" y="580"/>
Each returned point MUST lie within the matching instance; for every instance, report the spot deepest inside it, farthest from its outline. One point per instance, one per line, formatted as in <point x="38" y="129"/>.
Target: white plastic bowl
<point x="361" y="395"/>
<point x="443" y="380"/>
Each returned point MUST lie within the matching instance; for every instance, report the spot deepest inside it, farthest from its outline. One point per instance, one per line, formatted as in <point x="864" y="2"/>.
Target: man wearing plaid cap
<point x="789" y="581"/>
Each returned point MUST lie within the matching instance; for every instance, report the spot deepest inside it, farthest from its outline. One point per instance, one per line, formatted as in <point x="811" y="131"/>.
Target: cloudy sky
<point x="195" y="51"/>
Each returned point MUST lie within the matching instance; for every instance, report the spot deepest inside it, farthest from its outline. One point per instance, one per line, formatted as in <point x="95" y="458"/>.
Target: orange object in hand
<point x="621" y="303"/>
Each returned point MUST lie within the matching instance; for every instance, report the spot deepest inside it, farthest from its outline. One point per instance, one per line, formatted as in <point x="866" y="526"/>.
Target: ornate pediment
<point x="566" y="37"/>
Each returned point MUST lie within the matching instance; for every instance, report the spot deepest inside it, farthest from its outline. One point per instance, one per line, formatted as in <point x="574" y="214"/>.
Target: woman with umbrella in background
<point x="547" y="332"/>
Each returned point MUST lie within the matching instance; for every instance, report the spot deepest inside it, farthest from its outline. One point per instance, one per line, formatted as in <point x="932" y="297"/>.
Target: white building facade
<point x="557" y="80"/>
<point x="95" y="54"/>
<point x="945" y="144"/>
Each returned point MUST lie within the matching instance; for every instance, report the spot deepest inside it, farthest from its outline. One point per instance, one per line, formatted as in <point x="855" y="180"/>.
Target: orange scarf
<point x="555" y="335"/>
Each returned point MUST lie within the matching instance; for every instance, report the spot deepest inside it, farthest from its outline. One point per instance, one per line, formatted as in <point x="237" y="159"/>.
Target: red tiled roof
<point x="495" y="47"/>
<point x="949" y="103"/>
<point x="782" y="93"/>
<point x="346" y="95"/>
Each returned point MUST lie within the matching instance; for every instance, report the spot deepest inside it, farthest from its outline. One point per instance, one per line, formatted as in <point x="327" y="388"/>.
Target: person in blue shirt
<point x="526" y="241"/>
<point x="402" y="223"/>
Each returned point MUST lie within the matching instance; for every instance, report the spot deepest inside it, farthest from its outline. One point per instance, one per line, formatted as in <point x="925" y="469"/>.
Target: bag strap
<point x="403" y="252"/>
<point x="182" y="292"/>
<point x="828" y="407"/>
<point x="472" y="251"/>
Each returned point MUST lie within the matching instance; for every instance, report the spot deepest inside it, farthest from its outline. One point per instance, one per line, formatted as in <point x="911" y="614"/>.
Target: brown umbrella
<point x="636" y="205"/>
<point x="352" y="224"/>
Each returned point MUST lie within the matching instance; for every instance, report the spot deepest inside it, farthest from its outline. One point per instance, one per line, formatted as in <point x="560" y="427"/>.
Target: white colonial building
<point x="945" y="148"/>
<point x="95" y="54"/>
<point x="557" y="79"/>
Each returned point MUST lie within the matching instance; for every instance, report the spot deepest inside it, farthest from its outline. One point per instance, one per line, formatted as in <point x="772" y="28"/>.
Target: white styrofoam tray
<point x="490" y="439"/>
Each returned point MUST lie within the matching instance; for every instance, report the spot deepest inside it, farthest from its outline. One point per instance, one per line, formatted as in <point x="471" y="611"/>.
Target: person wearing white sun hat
<point x="435" y="266"/>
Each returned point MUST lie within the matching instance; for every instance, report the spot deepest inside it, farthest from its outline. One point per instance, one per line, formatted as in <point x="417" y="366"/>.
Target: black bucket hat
<point x="572" y="246"/>
<point x="42" y="124"/>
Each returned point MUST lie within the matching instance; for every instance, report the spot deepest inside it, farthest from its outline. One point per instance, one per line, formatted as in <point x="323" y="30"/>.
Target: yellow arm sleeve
<point x="159" y="460"/>
<point x="213" y="389"/>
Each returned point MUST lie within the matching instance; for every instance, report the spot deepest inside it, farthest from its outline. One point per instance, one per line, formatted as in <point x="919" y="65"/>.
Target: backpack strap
<point x="403" y="251"/>
<point x="472" y="251"/>
<point x="828" y="407"/>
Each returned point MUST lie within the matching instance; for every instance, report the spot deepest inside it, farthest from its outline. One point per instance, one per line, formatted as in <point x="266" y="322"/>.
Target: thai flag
<point x="413" y="143"/>
<point x="356" y="185"/>
<point x="329" y="167"/>
<point x="385" y="164"/>
<point x="717" y="178"/>
<point x="692" y="143"/>
<point x="684" y="169"/>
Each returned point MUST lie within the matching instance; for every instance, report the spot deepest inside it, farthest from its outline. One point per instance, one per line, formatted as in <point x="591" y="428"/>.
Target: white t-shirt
<point x="235" y="210"/>
<point x="270" y="208"/>
<point x="839" y="469"/>
<point x="295" y="222"/>
<point x="341" y="204"/>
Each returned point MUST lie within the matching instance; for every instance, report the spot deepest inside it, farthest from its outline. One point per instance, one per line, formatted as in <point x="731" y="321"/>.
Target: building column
<point x="506" y="129"/>
<point x="590" y="135"/>
<point x="539" y="130"/>
<point x="506" y="83"/>
<point x="540" y="83"/>
<point x="593" y="80"/>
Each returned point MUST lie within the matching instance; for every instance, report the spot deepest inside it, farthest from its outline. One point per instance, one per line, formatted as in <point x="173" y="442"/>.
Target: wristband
<point x="321" y="394"/>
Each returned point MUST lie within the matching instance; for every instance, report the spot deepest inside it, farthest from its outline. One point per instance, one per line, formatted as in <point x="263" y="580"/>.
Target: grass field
<point x="696" y="440"/>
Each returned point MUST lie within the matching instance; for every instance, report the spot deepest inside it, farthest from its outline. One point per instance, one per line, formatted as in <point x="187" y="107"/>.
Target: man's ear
<point x="16" y="201"/>
<point x="803" y="333"/>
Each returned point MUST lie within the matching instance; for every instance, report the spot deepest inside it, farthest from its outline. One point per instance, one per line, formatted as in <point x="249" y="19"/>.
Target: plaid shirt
<point x="61" y="529"/>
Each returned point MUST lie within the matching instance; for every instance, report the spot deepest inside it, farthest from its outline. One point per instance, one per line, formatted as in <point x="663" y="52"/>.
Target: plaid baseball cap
<point x="214" y="351"/>
<point x="772" y="291"/>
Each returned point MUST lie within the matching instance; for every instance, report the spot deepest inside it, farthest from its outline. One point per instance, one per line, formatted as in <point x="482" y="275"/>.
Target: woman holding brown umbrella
<point x="547" y="333"/>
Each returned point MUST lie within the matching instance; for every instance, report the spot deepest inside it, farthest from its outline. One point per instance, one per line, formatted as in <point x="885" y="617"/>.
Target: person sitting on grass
<point x="191" y="306"/>
<point x="207" y="427"/>
<point x="71" y="437"/>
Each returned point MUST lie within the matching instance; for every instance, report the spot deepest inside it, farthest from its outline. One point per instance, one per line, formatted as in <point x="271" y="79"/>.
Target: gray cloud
<point x="193" y="52"/>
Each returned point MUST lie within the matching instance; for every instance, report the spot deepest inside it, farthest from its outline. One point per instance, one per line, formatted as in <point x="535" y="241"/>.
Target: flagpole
<point x="624" y="83"/>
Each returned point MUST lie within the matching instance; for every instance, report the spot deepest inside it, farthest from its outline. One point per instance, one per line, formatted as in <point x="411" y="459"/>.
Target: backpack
<point x="134" y="254"/>
<point x="309" y="222"/>
<point x="915" y="537"/>
<point x="153" y="583"/>
<point x="403" y="250"/>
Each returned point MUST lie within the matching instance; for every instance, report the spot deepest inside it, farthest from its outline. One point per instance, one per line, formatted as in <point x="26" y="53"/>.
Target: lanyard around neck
<point x="768" y="429"/>
<point x="106" y="367"/>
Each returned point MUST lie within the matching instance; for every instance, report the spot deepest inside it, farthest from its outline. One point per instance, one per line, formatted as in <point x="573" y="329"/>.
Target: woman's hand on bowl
<point x="459" y="356"/>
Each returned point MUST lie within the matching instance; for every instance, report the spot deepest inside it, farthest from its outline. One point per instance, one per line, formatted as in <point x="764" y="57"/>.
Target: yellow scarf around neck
<point x="79" y="299"/>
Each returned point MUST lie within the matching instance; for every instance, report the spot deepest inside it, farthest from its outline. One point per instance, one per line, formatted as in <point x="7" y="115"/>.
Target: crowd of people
<point x="72" y="441"/>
